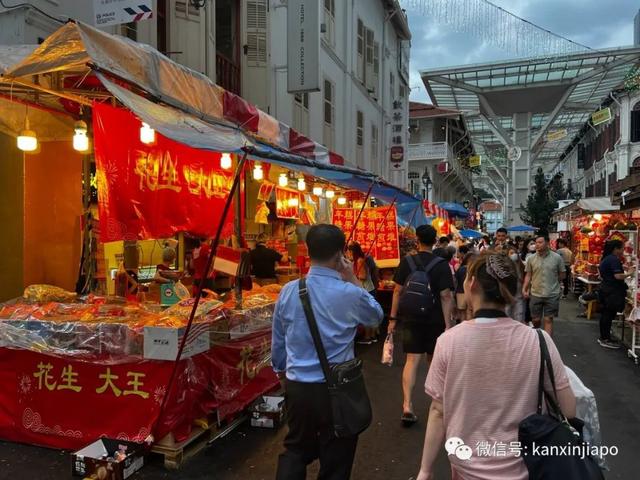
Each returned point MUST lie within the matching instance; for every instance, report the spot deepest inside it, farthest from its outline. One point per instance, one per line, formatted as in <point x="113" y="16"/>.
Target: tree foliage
<point x="543" y="200"/>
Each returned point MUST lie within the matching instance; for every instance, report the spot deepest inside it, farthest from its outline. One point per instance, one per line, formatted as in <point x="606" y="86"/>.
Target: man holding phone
<point x="340" y="304"/>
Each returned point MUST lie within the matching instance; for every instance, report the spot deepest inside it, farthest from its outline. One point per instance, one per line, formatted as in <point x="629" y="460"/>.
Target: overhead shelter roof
<point x="586" y="206"/>
<point x="561" y="92"/>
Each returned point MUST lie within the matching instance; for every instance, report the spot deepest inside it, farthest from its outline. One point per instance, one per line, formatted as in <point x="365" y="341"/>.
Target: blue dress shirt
<point x="339" y="308"/>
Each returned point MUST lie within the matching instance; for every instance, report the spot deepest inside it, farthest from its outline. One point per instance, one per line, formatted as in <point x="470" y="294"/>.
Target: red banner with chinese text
<point x="154" y="191"/>
<point x="288" y="203"/>
<point x="376" y="231"/>
<point x="64" y="403"/>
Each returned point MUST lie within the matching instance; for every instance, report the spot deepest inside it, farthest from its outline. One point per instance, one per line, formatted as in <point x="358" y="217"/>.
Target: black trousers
<point x="310" y="436"/>
<point x="606" y="320"/>
<point x="567" y="276"/>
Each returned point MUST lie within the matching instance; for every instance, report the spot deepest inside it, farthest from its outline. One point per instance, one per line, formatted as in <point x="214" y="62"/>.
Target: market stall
<point x="167" y="178"/>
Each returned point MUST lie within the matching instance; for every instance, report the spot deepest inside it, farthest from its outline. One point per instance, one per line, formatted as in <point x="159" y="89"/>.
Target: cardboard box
<point x="163" y="343"/>
<point x="91" y="461"/>
<point x="267" y="412"/>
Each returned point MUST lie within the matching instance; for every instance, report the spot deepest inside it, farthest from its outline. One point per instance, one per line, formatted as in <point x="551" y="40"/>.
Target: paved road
<point x="387" y="450"/>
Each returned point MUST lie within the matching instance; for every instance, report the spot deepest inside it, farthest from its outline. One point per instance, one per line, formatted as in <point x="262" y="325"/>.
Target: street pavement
<point x="387" y="450"/>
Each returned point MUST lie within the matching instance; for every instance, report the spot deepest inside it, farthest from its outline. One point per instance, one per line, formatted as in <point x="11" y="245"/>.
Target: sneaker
<point x="608" y="344"/>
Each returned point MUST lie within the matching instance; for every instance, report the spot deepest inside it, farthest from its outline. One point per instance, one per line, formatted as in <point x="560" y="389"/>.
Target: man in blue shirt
<point x="340" y="304"/>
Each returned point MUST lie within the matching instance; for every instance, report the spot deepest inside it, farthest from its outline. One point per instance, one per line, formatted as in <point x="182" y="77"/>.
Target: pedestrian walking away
<point x="567" y="257"/>
<point x="544" y="272"/>
<point x="423" y="303"/>
<point x="339" y="304"/>
<point x="613" y="290"/>
<point x="483" y="380"/>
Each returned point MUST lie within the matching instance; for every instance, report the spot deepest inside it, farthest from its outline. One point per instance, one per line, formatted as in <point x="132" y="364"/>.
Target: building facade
<point x="361" y="110"/>
<point x="438" y="141"/>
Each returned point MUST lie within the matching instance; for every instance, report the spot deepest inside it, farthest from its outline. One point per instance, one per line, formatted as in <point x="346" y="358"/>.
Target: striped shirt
<point x="485" y="373"/>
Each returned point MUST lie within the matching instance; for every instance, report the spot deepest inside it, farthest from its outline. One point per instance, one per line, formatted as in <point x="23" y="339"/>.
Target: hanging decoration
<point x="632" y="79"/>
<point x="496" y="26"/>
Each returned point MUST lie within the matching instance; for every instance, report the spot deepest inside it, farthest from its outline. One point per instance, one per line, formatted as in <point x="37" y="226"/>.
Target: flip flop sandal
<point x="408" y="419"/>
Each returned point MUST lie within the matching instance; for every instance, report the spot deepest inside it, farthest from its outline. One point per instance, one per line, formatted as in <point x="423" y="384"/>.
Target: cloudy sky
<point x="594" y="23"/>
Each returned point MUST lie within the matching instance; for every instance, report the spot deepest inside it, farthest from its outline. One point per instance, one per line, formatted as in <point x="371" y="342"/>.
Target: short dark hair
<point x="463" y="250"/>
<point x="426" y="235"/>
<point x="542" y="234"/>
<point x="444" y="253"/>
<point x="502" y="230"/>
<point x="444" y="240"/>
<point x="561" y="241"/>
<point x="324" y="241"/>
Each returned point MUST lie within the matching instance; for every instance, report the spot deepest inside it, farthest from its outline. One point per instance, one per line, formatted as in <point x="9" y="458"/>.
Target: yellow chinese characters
<point x="157" y="171"/>
<point x="68" y="378"/>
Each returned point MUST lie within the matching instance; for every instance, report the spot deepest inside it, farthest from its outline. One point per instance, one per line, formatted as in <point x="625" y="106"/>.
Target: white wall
<point x="339" y="65"/>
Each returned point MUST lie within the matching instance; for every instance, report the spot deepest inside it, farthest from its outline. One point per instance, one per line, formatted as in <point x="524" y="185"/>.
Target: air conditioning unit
<point x="443" y="167"/>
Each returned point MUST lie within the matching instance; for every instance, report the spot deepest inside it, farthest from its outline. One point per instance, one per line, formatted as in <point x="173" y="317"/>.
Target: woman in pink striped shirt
<point x="483" y="381"/>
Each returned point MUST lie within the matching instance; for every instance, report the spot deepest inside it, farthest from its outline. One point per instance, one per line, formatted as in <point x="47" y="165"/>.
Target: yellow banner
<point x="601" y="116"/>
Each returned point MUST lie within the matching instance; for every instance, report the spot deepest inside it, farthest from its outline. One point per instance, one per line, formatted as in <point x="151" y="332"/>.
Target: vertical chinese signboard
<point x="376" y="232"/>
<point x="398" y="131"/>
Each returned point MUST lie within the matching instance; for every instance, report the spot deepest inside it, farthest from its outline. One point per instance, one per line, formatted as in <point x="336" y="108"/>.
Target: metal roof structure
<point x="561" y="92"/>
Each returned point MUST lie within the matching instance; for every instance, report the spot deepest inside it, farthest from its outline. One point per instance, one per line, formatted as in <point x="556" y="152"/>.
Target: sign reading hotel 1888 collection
<point x="303" y="46"/>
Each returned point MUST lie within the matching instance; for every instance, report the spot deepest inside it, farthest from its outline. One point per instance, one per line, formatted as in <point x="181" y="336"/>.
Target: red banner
<point x="63" y="403"/>
<point x="288" y="203"/>
<point x="156" y="190"/>
<point x="376" y="232"/>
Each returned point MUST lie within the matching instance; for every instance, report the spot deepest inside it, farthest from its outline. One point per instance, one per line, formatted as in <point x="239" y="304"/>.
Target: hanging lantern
<point x="342" y="201"/>
<point x="147" y="134"/>
<point x="317" y="191"/>
<point x="330" y="193"/>
<point x="80" y="139"/>
<point x="258" y="173"/>
<point x="27" y="140"/>
<point x="225" y="161"/>
<point x="283" y="181"/>
<point x="302" y="186"/>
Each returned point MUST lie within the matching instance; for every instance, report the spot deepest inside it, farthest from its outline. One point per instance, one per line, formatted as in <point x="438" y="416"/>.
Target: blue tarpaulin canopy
<point x="409" y="207"/>
<point x="467" y="233"/>
<point x="454" y="209"/>
<point x="522" y="228"/>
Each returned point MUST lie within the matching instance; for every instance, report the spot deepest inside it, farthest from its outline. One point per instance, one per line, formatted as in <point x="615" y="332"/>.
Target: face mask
<point x="532" y="248"/>
<point x="514" y="257"/>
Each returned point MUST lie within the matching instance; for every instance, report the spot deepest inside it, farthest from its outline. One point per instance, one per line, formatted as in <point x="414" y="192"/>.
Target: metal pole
<point x="364" y="205"/>
<point x="214" y="247"/>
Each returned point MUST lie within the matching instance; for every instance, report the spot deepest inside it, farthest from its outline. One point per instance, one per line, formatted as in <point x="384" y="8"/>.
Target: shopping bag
<point x="387" y="350"/>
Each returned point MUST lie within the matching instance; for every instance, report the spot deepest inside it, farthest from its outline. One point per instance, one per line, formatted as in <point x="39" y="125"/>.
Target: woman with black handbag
<point x="483" y="381"/>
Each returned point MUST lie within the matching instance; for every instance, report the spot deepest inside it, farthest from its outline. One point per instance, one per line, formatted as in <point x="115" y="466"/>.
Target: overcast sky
<point x="594" y="23"/>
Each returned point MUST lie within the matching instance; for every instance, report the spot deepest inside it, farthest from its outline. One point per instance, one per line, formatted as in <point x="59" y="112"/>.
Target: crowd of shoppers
<point x="467" y="308"/>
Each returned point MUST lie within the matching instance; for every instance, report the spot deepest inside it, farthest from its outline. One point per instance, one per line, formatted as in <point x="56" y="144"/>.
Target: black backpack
<point x="417" y="299"/>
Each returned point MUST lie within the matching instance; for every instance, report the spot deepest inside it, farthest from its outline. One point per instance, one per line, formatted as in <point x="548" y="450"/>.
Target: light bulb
<point x="342" y="201"/>
<point x="283" y="181"/>
<point x="258" y="173"/>
<point x="80" y="139"/>
<point x="27" y="141"/>
<point x="302" y="186"/>
<point x="293" y="202"/>
<point x="330" y="194"/>
<point x="597" y="216"/>
<point x="147" y="134"/>
<point x="317" y="191"/>
<point x="225" y="161"/>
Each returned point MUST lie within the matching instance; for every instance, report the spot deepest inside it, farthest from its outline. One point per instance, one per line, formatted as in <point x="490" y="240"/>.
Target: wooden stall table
<point x="589" y="284"/>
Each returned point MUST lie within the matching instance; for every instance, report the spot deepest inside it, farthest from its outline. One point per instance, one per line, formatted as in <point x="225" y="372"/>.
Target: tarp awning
<point x="12" y="54"/>
<point x="589" y="205"/>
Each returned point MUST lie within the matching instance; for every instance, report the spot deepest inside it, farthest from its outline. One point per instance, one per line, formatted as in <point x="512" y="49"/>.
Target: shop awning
<point x="588" y="205"/>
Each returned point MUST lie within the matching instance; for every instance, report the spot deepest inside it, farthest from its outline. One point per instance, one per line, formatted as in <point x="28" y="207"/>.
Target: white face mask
<point x="514" y="257"/>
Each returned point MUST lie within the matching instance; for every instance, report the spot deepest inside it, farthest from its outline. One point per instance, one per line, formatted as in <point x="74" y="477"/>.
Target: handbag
<point x="350" y="406"/>
<point x="552" y="446"/>
<point x="387" y="350"/>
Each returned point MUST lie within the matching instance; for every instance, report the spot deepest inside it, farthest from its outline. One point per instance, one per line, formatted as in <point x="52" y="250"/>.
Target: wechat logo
<point x="455" y="446"/>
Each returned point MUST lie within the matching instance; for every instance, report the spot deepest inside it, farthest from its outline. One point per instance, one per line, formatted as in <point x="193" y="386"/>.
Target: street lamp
<point x="426" y="181"/>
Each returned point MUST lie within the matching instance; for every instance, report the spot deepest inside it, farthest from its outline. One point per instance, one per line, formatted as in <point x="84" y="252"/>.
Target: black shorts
<point x="420" y="336"/>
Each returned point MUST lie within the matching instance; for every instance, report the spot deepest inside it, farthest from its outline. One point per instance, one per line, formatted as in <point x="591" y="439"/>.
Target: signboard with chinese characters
<point x="288" y="203"/>
<point x="116" y="12"/>
<point x="601" y="116"/>
<point x="158" y="190"/>
<point x="475" y="161"/>
<point x="376" y="232"/>
<point x="303" y="46"/>
<point x="556" y="135"/>
<point x="398" y="132"/>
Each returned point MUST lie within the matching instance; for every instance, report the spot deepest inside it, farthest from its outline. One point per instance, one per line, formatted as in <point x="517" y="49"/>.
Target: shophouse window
<point x="374" y="149"/>
<point x="301" y="113"/>
<point x="330" y="22"/>
<point x="329" y="114"/>
<point x="360" y="139"/>
<point x="635" y="123"/>
<point x="361" y="53"/>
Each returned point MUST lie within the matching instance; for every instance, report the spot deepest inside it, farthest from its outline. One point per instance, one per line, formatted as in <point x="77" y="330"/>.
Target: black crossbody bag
<point x="350" y="406"/>
<point x="552" y="431"/>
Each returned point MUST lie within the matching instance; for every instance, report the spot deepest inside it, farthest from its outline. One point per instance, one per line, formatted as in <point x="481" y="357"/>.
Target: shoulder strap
<point x="545" y="361"/>
<point x="313" y="327"/>
<point x="411" y="260"/>
<point x="433" y="263"/>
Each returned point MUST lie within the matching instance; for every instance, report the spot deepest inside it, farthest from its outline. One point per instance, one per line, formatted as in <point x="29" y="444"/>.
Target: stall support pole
<point x="364" y="205"/>
<point x="238" y="234"/>
<point x="214" y="247"/>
